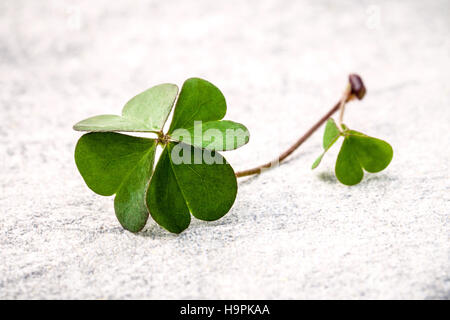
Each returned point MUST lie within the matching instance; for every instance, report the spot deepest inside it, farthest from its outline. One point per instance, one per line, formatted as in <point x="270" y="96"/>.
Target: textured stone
<point x="293" y="232"/>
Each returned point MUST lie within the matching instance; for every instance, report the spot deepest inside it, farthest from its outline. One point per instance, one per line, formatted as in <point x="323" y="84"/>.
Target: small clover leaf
<point x="358" y="152"/>
<point x="361" y="152"/>
<point x="348" y="169"/>
<point x="190" y="175"/>
<point x="330" y="136"/>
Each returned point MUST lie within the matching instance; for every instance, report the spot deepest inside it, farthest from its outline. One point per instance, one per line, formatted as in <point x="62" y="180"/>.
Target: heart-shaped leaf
<point x="189" y="179"/>
<point x="146" y="112"/>
<point x="214" y="135"/>
<point x="330" y="136"/>
<point x="164" y="199"/>
<point x="361" y="151"/>
<point x="199" y="100"/>
<point x="348" y="170"/>
<point x="373" y="154"/>
<point x="113" y="163"/>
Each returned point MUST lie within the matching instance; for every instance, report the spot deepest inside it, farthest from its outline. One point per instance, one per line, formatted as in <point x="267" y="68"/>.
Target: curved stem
<point x="347" y="96"/>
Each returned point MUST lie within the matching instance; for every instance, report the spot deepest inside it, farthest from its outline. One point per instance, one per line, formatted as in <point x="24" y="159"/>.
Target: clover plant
<point x="358" y="151"/>
<point x="190" y="175"/>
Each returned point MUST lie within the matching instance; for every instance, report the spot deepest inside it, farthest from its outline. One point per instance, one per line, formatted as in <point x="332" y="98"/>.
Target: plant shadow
<point x="369" y="178"/>
<point x="328" y="177"/>
<point x="156" y="232"/>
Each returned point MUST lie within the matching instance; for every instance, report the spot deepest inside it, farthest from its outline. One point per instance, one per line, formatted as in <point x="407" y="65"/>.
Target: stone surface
<point x="292" y="233"/>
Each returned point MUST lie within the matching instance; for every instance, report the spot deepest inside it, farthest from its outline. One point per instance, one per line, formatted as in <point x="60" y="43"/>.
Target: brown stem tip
<point x="357" y="86"/>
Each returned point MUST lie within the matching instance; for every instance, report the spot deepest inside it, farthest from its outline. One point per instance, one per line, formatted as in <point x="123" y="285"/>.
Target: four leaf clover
<point x="358" y="152"/>
<point x="190" y="177"/>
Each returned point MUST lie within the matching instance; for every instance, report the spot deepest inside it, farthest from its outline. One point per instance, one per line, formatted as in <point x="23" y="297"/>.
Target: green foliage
<point x="348" y="169"/>
<point x="330" y="136"/>
<point x="164" y="198"/>
<point x="113" y="163"/>
<point x="199" y="100"/>
<point x="146" y="112"/>
<point x="216" y="135"/>
<point x="358" y="152"/>
<point x="206" y="190"/>
<point x="190" y="175"/>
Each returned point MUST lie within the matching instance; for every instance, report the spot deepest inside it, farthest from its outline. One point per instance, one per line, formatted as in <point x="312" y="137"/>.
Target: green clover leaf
<point x="206" y="190"/>
<point x="358" y="152"/>
<point x="112" y="163"/>
<point x="199" y="100"/>
<point x="215" y="135"/>
<point x="190" y="177"/>
<point x="330" y="136"/>
<point x="146" y="112"/>
<point x="197" y="115"/>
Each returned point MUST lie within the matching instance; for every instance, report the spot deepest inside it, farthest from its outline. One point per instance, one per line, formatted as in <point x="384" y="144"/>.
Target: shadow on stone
<point x="156" y="232"/>
<point x="328" y="177"/>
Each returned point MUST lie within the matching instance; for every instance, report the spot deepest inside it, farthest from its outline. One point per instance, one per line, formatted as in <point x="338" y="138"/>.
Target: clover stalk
<point x="355" y="89"/>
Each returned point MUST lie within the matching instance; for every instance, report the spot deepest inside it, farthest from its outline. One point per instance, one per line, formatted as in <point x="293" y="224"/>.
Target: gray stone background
<point x="293" y="232"/>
